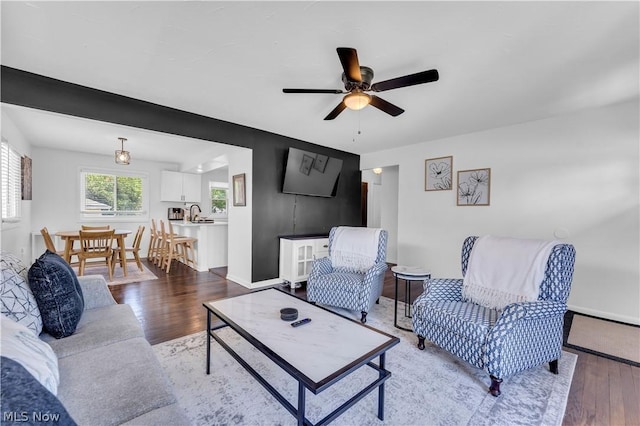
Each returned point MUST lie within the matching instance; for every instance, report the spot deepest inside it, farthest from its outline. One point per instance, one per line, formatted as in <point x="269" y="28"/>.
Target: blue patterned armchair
<point x="344" y="287"/>
<point x="501" y="342"/>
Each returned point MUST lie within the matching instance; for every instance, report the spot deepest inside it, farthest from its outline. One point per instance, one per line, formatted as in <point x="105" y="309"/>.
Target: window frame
<point x="86" y="216"/>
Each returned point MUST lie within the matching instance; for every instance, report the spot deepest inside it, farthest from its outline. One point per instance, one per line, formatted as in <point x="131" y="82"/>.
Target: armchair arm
<point x="525" y="335"/>
<point x="320" y="266"/>
<point x="438" y="289"/>
<point x="375" y="270"/>
<point x="540" y="309"/>
<point x="95" y="292"/>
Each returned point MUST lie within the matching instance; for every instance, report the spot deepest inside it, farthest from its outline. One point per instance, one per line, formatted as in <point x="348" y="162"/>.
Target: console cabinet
<point x="297" y="255"/>
<point x="181" y="187"/>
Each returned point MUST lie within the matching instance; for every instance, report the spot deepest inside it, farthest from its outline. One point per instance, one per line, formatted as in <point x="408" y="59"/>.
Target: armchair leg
<point x="553" y="366"/>
<point x="421" y="343"/>
<point x="364" y="317"/>
<point x="495" y="386"/>
<point x="378" y="301"/>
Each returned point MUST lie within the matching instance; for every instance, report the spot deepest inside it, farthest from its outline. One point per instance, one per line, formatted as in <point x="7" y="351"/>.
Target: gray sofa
<point x="108" y="372"/>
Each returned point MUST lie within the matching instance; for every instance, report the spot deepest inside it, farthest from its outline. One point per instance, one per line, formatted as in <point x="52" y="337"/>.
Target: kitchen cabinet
<point x="297" y="255"/>
<point x="181" y="187"/>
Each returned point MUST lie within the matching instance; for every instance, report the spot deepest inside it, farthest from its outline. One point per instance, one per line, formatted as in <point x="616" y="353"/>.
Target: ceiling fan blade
<point x="407" y="80"/>
<point x="385" y="106"/>
<point x="336" y="111"/>
<point x="333" y="91"/>
<point x="349" y="60"/>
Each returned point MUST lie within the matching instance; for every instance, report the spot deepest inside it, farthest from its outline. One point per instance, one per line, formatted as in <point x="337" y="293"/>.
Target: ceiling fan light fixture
<point x="356" y="100"/>
<point x="122" y="156"/>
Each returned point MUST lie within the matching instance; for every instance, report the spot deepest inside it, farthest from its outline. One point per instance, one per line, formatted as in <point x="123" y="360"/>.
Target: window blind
<point x="11" y="186"/>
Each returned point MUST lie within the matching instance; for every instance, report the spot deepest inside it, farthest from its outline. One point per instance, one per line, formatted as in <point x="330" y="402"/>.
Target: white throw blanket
<point x="502" y="271"/>
<point x="354" y="248"/>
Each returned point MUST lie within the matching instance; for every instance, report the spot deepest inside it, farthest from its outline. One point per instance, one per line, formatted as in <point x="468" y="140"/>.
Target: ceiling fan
<point x="357" y="81"/>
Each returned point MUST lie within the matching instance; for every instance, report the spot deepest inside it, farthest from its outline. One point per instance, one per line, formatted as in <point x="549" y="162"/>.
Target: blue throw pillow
<point x="25" y="401"/>
<point x="58" y="294"/>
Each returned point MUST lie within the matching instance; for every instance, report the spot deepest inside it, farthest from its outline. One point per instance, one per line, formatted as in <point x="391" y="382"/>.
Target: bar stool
<point x="160" y="242"/>
<point x="155" y="241"/>
<point x="187" y="247"/>
<point x="176" y="247"/>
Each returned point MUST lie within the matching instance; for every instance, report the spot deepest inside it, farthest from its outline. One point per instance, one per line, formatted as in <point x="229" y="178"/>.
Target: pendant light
<point x="122" y="156"/>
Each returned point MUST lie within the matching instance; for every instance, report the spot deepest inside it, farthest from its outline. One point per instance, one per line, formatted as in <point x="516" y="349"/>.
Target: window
<point x="110" y="194"/>
<point x="218" y="195"/>
<point x="11" y="184"/>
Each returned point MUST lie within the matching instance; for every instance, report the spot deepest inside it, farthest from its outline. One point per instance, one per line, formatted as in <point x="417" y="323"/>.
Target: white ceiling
<point x="500" y="63"/>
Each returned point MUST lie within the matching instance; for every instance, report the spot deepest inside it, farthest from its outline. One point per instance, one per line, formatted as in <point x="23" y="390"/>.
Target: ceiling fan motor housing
<point x="365" y="84"/>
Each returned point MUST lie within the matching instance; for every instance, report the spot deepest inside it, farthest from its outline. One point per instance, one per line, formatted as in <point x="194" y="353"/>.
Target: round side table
<point x="408" y="274"/>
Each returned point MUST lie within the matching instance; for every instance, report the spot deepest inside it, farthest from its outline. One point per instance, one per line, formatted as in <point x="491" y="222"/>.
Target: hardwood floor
<point x="603" y="392"/>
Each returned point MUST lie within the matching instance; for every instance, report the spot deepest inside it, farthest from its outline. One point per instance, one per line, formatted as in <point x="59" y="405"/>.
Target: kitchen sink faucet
<point x="191" y="211"/>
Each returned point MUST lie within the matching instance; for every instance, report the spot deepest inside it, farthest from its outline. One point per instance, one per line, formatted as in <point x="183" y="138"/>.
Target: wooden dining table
<point x="70" y="237"/>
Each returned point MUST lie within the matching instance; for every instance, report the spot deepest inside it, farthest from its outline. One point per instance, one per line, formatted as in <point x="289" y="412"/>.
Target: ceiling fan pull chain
<point x="358" y="132"/>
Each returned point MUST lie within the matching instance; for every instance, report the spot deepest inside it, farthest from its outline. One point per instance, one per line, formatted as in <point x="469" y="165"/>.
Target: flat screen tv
<point x="308" y="173"/>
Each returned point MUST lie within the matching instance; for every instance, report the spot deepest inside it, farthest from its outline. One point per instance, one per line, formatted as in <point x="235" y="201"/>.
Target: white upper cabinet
<point x="181" y="187"/>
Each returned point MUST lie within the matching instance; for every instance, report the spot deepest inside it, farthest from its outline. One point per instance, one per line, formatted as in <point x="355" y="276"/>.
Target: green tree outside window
<point x="110" y="195"/>
<point x="218" y="200"/>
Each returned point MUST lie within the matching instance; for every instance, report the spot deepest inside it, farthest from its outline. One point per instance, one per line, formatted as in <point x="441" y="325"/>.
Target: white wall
<point x="14" y="237"/>
<point x="240" y="220"/>
<point x="575" y="176"/>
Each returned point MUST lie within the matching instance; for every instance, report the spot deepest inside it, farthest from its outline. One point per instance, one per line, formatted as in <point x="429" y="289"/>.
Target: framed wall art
<point x="26" y="166"/>
<point x="239" y="190"/>
<point x="438" y="174"/>
<point x="474" y="187"/>
<point x="321" y="163"/>
<point x="306" y="163"/>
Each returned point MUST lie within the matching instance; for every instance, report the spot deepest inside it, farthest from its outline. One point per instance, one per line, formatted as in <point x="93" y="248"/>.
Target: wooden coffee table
<point x="337" y="346"/>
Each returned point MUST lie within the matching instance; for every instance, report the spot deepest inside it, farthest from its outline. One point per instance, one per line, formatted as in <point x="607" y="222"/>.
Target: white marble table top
<point x="317" y="349"/>
<point x="410" y="272"/>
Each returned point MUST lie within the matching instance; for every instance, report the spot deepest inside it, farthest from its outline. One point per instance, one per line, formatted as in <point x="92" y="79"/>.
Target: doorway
<point x="382" y="204"/>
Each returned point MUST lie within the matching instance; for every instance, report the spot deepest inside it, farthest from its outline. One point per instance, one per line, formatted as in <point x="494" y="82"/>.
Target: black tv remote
<point x="300" y="322"/>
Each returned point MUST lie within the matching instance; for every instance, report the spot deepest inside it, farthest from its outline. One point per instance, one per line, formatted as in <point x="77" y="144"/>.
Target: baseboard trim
<point x="604" y="315"/>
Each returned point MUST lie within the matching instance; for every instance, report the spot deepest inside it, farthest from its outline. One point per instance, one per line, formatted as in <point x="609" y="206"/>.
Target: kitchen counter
<point x="188" y="224"/>
<point x="211" y="248"/>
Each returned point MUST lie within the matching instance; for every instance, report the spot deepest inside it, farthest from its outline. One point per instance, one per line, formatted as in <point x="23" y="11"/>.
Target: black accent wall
<point x="274" y="213"/>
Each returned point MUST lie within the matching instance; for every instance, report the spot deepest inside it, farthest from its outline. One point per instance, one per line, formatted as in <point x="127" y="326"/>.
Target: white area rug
<point x="429" y="387"/>
<point x="134" y="275"/>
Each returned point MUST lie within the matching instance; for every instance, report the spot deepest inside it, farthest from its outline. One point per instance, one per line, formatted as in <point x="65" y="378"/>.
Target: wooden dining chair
<point x="48" y="242"/>
<point x="95" y="228"/>
<point x="96" y="245"/>
<point x="134" y="249"/>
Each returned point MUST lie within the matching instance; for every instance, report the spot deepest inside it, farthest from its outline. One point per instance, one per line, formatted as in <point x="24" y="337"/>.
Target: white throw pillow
<point x="20" y="344"/>
<point x="17" y="301"/>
